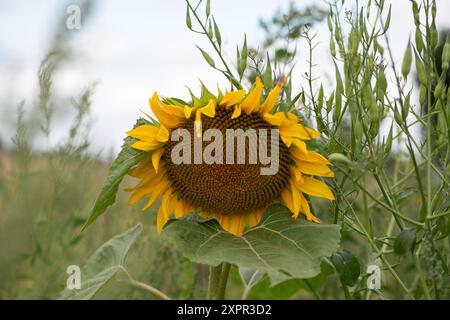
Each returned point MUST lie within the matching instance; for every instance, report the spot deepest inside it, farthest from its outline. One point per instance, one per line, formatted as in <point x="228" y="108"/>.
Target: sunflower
<point x="235" y="195"/>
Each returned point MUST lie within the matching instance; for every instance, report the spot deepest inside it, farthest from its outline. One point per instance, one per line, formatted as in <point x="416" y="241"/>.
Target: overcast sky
<point x="134" y="48"/>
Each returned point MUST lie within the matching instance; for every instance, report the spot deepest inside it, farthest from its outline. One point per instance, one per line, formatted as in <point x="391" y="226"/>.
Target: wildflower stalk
<point x="228" y="72"/>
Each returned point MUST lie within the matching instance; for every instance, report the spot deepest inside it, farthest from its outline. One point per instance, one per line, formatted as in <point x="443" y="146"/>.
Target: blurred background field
<point x="61" y="124"/>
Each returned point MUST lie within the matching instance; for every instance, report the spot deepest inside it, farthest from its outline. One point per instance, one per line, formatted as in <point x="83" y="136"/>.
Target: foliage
<point x="392" y="186"/>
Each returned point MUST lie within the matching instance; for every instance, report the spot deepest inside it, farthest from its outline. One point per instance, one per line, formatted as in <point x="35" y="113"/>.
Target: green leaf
<point x="287" y="289"/>
<point x="279" y="246"/>
<point x="348" y="267"/>
<point x="103" y="265"/>
<point x="217" y="33"/>
<point x="188" y="18"/>
<point x="405" y="242"/>
<point x="207" y="57"/>
<point x="126" y="160"/>
<point x="208" y="8"/>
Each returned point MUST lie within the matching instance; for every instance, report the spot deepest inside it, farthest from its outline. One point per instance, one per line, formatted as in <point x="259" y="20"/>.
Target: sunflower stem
<point x="223" y="281"/>
<point x="214" y="279"/>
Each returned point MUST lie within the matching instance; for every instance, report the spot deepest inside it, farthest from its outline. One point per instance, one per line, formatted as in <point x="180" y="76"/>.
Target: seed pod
<point x="405" y="107"/>
<point x="337" y="106"/>
<point x="381" y="85"/>
<point x="423" y="94"/>
<point x="446" y="55"/>
<point x="367" y="97"/>
<point x="439" y="90"/>
<point x="339" y="158"/>
<point x="415" y="9"/>
<point x="332" y="47"/>
<point x="407" y="60"/>
<point x="434" y="35"/>
<point x="397" y="116"/>
<point x="188" y="19"/>
<point x="388" y="20"/>
<point x="208" y="8"/>
<point x="210" y="30"/>
<point x="337" y="34"/>
<point x="267" y="79"/>
<point x="419" y="40"/>
<point x="330" y="102"/>
<point x="358" y="129"/>
<point x="320" y="100"/>
<point x="423" y="78"/>
<point x="207" y="57"/>
<point x="339" y="84"/>
<point x="388" y="144"/>
<point x="433" y="9"/>
<point x="217" y="33"/>
<point x="330" y="24"/>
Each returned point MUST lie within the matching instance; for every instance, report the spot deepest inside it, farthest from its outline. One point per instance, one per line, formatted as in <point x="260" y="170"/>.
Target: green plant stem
<point x="223" y="281"/>
<point x="313" y="290"/>
<point x="219" y="53"/>
<point x="155" y="292"/>
<point x="214" y="278"/>
<point x="375" y="248"/>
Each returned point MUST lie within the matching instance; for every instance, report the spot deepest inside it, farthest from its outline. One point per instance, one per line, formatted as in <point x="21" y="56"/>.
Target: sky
<point x="137" y="47"/>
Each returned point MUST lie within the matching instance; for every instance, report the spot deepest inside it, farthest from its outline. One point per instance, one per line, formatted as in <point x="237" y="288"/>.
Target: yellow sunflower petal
<point x="307" y="211"/>
<point x="252" y="101"/>
<point x="316" y="188"/>
<point x="296" y="200"/>
<point x="254" y="218"/>
<point x="298" y="131"/>
<point x="286" y="196"/>
<point x="168" y="120"/>
<point x="210" y="109"/>
<point x="156" y="156"/>
<point x="310" y="156"/>
<point x="271" y="99"/>
<point x="188" y="111"/>
<point x="144" y="132"/>
<point x="237" y="224"/>
<point x="231" y="98"/>
<point x="286" y="140"/>
<point x="160" y="220"/>
<point x="163" y="134"/>
<point x="236" y="112"/>
<point x="180" y="208"/>
<point x="301" y="146"/>
<point x="315" y="169"/>
<point x="145" y="146"/>
<point x="273" y="119"/>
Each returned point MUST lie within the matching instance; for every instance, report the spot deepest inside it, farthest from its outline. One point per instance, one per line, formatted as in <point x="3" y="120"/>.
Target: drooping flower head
<point x="235" y="194"/>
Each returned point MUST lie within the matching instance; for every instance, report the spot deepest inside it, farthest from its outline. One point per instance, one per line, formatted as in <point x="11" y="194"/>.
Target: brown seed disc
<point x="227" y="188"/>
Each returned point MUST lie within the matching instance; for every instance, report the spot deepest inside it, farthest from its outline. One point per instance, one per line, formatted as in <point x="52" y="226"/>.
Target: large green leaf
<point x="278" y="246"/>
<point x="288" y="289"/>
<point x="127" y="159"/>
<point x="103" y="265"/>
